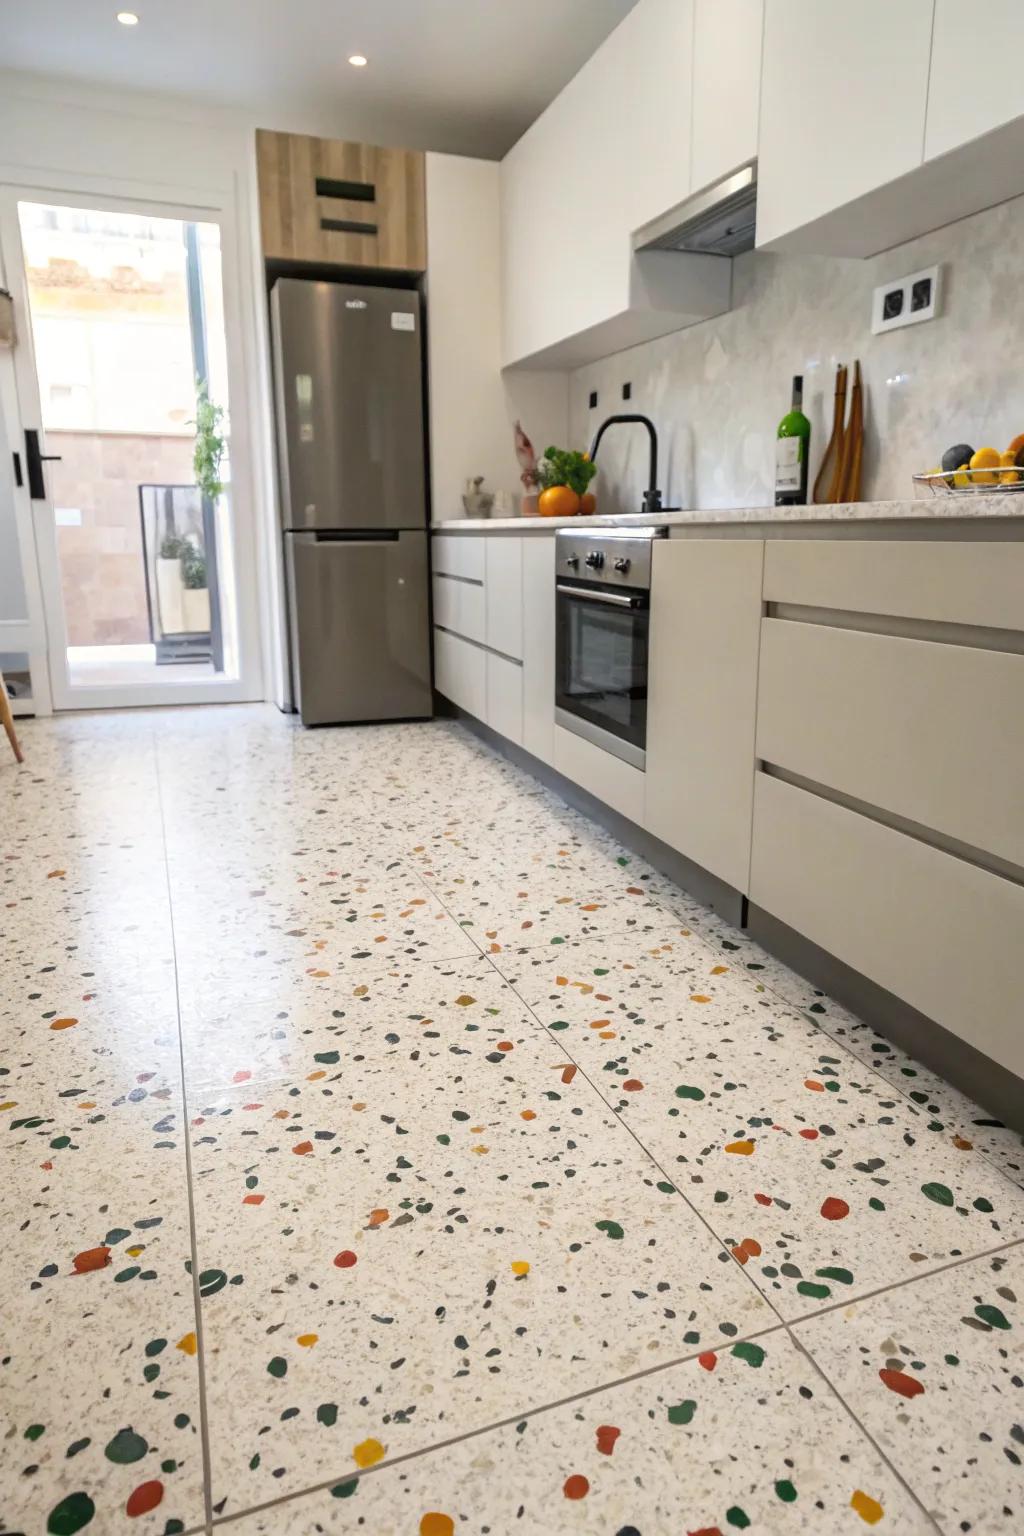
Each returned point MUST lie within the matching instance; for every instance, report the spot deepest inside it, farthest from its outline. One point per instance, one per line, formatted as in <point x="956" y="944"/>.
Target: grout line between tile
<point x="897" y="1285"/>
<point x="782" y="1326"/>
<point x="788" y="1321"/>
<point x="720" y="1240"/>
<point x="204" y="1420"/>
<point x="513" y="1418"/>
<point x="886" y="1460"/>
<point x="787" y="1325"/>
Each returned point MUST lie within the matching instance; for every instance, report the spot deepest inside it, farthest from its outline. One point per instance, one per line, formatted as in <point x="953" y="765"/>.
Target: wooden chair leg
<point x="8" y="720"/>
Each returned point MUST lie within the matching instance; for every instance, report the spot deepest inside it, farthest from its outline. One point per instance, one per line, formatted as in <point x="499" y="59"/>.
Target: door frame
<point x="26" y="635"/>
<point x="38" y="539"/>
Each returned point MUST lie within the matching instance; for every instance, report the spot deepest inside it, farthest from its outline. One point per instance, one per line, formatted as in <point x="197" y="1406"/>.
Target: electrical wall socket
<point x="907" y="301"/>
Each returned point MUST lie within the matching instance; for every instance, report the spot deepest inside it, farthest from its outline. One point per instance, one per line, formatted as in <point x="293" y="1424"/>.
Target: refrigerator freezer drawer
<point x="358" y="611"/>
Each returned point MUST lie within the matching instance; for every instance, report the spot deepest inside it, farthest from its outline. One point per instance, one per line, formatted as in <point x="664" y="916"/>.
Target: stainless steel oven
<point x="603" y="608"/>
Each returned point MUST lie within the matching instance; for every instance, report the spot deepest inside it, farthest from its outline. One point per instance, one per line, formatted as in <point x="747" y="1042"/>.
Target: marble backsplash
<point x="716" y="391"/>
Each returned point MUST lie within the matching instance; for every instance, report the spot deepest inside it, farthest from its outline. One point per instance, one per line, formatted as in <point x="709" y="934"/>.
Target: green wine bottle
<point x="792" y="452"/>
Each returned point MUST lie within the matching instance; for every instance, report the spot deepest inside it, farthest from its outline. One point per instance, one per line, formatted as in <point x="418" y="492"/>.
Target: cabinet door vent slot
<point x="348" y="226"/>
<point x="352" y="191"/>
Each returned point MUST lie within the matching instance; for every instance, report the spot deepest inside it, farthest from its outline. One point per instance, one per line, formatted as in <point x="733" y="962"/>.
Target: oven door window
<point x="602" y="665"/>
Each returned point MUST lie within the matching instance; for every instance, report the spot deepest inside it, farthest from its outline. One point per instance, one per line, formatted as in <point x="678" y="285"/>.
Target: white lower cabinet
<point x="460" y="672"/>
<point x="702" y="700"/>
<point x="539" y="646"/>
<point x="939" y="932"/>
<point x="932" y="732"/>
<point x="606" y="777"/>
<point x="503" y="583"/>
<point x="459" y="606"/>
<point x="456" y="555"/>
<point x="505" y="697"/>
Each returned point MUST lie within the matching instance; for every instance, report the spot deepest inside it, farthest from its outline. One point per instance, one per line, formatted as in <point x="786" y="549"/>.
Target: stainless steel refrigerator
<point x="348" y="375"/>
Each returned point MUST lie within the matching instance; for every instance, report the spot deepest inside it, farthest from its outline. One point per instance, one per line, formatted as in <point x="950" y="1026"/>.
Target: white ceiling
<point x="466" y="76"/>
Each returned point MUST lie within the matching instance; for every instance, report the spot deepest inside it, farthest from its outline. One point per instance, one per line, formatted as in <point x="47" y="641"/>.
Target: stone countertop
<point x="931" y="509"/>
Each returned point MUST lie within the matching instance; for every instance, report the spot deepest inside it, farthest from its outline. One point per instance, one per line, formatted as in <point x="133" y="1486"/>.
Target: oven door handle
<point x="615" y="599"/>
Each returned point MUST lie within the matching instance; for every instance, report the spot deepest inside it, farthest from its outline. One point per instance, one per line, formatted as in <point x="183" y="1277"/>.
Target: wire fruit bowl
<point x="980" y="482"/>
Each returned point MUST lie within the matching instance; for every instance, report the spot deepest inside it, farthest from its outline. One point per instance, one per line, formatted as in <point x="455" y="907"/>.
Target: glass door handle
<point x="34" y="461"/>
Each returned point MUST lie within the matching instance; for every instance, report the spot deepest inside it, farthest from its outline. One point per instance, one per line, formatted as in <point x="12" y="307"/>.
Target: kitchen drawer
<point x="460" y="672"/>
<point x="934" y="733"/>
<point x="504" y="581"/>
<point x="940" y="933"/>
<point x="458" y="555"/>
<point x="459" y="606"/>
<point x="505" y="697"/>
<point x="605" y="776"/>
<point x="952" y="582"/>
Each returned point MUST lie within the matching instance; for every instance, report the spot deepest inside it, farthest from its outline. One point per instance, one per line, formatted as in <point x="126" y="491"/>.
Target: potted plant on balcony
<point x="170" y="584"/>
<point x="195" y="597"/>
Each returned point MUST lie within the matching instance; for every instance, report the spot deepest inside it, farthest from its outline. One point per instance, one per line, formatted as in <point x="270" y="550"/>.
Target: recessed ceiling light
<point x="128" y="18"/>
<point x="357" y="60"/>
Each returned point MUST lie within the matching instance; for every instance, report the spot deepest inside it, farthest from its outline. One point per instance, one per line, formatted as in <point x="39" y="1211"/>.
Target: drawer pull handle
<point x="348" y="226"/>
<point x="351" y="191"/>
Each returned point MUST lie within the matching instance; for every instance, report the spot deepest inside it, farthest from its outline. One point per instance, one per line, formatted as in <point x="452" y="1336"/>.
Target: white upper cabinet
<point x="610" y="153"/>
<point x="726" y="86"/>
<point x="844" y="90"/>
<point x="988" y="34"/>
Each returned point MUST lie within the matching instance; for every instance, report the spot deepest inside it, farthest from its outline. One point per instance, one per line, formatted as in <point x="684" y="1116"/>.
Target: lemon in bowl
<point x="985" y="462"/>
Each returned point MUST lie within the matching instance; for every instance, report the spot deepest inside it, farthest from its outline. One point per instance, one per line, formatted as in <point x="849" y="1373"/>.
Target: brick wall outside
<point x="102" y="575"/>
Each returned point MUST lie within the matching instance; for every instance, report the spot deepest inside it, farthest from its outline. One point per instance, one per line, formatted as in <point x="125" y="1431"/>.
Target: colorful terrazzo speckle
<point x="483" y="1114"/>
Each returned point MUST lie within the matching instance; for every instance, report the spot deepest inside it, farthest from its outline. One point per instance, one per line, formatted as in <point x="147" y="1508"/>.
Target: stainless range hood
<point x="719" y="221"/>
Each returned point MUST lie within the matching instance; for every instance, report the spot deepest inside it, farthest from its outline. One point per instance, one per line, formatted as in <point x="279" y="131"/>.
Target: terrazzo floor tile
<point x="1004" y="1146"/>
<point x="818" y="1177"/>
<point x="910" y="1077"/>
<point x="98" y="1376"/>
<point x="748" y="1438"/>
<point x="436" y="1224"/>
<point x="935" y="1373"/>
<point x="423" y="1207"/>
<point x="347" y="923"/>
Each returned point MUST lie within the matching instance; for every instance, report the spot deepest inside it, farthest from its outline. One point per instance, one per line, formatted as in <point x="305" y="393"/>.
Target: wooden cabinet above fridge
<point x="349" y="205"/>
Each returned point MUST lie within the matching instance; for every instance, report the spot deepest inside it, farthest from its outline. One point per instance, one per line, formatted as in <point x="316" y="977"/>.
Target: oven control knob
<point x="622" y="564"/>
<point x="595" y="560"/>
<point x="572" y="559"/>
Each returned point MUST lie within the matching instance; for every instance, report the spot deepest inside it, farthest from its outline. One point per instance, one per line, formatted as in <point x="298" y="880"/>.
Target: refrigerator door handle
<point x="338" y="536"/>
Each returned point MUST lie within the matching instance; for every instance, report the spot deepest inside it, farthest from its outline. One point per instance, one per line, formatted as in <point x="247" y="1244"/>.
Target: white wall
<point x="472" y="406"/>
<point x="717" y="391"/>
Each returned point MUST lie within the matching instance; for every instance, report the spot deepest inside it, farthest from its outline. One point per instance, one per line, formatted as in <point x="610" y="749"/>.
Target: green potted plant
<point x="565" y="474"/>
<point x="195" y="597"/>
<point x="210" y="443"/>
<point x="170" y="585"/>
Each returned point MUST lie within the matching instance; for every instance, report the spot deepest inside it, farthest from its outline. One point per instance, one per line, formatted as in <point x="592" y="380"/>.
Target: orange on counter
<point x="588" y="503"/>
<point x="558" y="501"/>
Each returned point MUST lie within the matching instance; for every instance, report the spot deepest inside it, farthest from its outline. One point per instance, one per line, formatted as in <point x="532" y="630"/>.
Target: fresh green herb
<point x="566" y="466"/>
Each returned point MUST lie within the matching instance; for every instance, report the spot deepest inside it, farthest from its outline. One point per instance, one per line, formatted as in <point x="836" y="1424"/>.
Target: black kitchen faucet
<point x="652" y="495"/>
